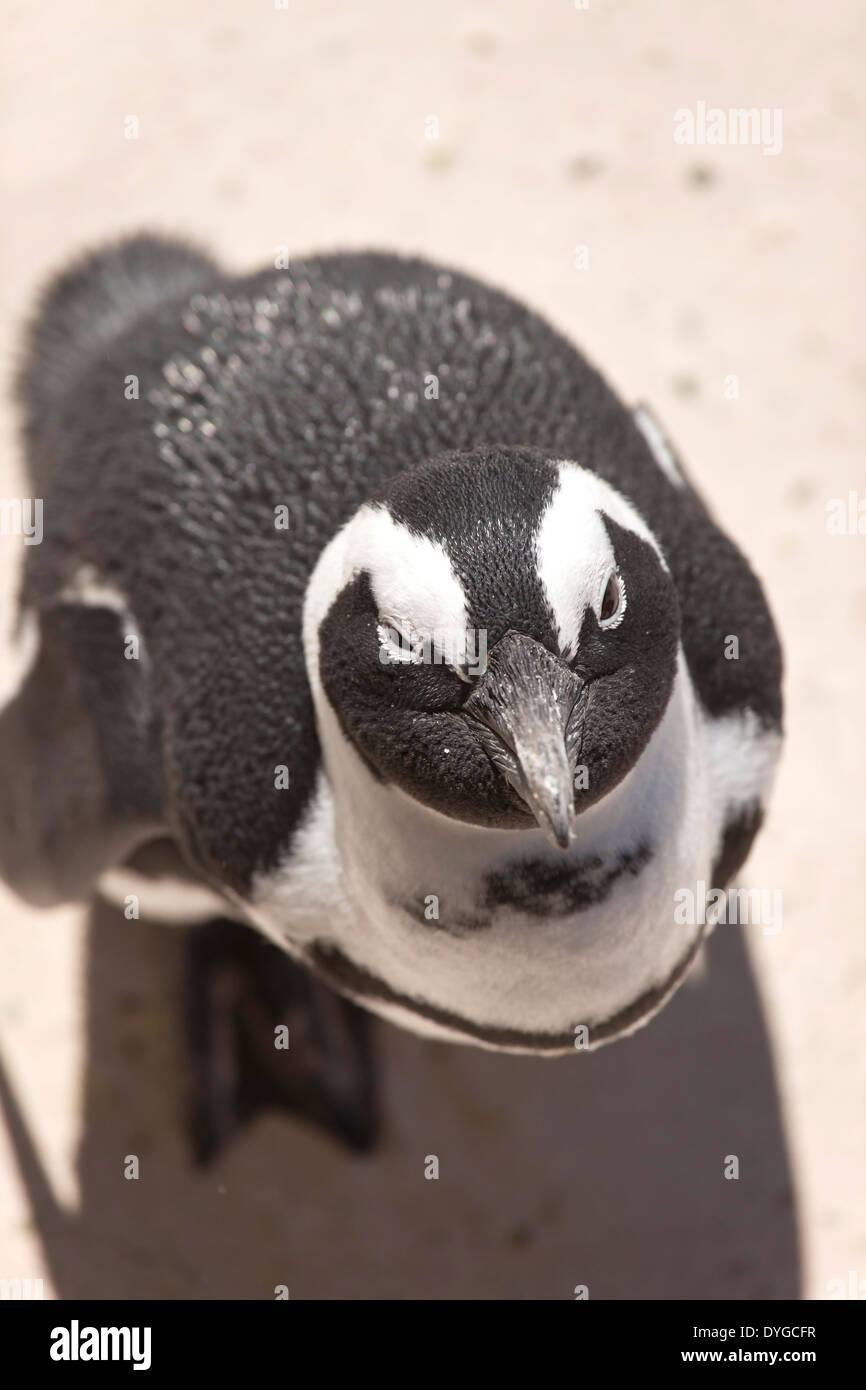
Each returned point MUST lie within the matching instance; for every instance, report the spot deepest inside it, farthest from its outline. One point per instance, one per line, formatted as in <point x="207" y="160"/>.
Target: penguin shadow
<point x="606" y="1170"/>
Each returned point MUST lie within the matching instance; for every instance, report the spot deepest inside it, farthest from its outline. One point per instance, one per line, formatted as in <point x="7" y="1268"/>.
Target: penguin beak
<point x="529" y="708"/>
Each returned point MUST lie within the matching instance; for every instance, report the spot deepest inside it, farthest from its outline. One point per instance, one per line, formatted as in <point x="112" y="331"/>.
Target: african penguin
<point x="429" y="679"/>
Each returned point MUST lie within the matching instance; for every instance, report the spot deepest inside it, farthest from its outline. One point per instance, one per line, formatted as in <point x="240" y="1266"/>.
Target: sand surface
<point x="306" y="126"/>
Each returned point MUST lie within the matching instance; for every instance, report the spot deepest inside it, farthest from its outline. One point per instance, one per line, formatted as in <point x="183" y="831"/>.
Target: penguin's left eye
<point x="612" y="602"/>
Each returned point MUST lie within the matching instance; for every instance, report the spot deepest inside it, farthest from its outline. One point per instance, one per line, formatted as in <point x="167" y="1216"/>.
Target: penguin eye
<point x="613" y="601"/>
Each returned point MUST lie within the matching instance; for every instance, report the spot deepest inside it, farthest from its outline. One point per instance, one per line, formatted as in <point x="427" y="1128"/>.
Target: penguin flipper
<point x="80" y="783"/>
<point x="262" y="1033"/>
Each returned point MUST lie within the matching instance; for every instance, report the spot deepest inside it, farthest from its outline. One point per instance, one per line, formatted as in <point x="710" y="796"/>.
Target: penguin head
<point x="496" y="633"/>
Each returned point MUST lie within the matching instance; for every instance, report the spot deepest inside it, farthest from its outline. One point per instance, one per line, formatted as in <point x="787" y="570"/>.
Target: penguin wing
<point x="80" y="785"/>
<point x="180" y="528"/>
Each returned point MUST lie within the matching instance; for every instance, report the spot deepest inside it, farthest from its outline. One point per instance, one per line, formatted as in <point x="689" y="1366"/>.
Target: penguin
<point x="374" y="639"/>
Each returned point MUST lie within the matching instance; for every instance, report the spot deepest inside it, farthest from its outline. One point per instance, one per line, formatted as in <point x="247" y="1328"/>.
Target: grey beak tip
<point x="562" y="838"/>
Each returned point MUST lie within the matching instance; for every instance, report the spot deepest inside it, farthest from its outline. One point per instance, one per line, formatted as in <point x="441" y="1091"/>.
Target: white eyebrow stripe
<point x="573" y="549"/>
<point x="411" y="575"/>
<point x="412" y="578"/>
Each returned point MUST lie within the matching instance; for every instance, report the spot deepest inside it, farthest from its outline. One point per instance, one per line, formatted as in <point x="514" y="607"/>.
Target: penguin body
<point x="431" y="683"/>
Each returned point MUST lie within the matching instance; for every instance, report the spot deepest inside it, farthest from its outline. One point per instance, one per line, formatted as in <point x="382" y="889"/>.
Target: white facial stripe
<point x="413" y="582"/>
<point x="661" y="450"/>
<point x="21" y="659"/>
<point x="575" y="555"/>
<point x="411" y="577"/>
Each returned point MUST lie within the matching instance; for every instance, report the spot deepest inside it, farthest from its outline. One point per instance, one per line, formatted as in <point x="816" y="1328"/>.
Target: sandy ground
<point x="306" y="126"/>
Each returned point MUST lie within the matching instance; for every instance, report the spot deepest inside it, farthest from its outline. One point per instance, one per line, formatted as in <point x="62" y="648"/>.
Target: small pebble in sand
<point x="584" y="166"/>
<point x="686" y="385"/>
<point x="701" y="176"/>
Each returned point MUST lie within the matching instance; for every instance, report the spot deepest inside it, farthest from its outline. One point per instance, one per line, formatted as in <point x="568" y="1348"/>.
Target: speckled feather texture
<point x="304" y="388"/>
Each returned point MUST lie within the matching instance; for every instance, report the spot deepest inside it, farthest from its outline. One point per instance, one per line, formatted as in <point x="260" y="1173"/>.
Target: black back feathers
<point x="309" y="389"/>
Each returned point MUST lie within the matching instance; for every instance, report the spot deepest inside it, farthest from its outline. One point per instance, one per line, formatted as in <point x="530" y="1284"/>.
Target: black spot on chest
<point x="535" y="887"/>
<point x="541" y="888"/>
